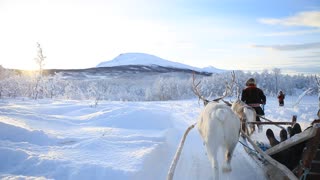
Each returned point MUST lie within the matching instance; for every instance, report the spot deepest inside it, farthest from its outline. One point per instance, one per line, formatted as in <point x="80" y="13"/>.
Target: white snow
<point x="60" y="139"/>
<point x="148" y="59"/>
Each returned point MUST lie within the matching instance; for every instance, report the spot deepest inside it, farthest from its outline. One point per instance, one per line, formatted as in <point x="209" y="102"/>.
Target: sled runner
<point x="282" y="161"/>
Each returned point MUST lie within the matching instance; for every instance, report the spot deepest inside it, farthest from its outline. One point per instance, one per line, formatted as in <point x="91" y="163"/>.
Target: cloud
<point x="293" y="33"/>
<point x="290" y="47"/>
<point x="306" y="18"/>
<point x="307" y="56"/>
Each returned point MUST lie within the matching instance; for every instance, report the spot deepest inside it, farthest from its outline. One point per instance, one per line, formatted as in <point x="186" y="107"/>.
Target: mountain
<point x="212" y="69"/>
<point x="151" y="60"/>
<point x="133" y="66"/>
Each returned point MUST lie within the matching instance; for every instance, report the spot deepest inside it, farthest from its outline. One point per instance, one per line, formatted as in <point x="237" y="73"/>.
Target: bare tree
<point x="277" y="73"/>
<point x="97" y="90"/>
<point x="2" y="72"/>
<point x="40" y="62"/>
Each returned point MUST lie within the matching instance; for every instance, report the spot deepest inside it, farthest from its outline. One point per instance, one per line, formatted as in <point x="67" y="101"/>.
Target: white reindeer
<point x="219" y="127"/>
<point x="246" y="114"/>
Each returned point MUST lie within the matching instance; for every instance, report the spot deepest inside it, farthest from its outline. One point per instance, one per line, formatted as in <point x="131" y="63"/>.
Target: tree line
<point x="35" y="85"/>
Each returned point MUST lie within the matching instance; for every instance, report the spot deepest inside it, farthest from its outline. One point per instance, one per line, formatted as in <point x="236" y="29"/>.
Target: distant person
<point x="281" y="97"/>
<point x="272" y="139"/>
<point x="254" y="97"/>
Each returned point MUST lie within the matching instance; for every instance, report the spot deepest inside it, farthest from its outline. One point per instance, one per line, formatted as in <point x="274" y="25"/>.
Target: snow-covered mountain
<point x="151" y="60"/>
<point x="212" y="69"/>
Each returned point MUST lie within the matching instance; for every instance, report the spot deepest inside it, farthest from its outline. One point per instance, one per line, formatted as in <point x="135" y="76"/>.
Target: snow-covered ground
<point x="60" y="139"/>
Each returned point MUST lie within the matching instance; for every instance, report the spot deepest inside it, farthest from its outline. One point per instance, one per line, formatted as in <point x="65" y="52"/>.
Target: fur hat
<point x="251" y="81"/>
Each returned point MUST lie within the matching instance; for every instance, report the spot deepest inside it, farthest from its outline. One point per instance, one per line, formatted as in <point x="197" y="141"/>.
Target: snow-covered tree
<point x="97" y="91"/>
<point x="2" y="76"/>
<point x="53" y="85"/>
<point x="276" y="73"/>
<point x="40" y="62"/>
<point x="167" y="86"/>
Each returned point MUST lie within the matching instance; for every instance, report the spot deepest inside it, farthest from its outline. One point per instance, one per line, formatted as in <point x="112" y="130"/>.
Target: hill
<point x="151" y="60"/>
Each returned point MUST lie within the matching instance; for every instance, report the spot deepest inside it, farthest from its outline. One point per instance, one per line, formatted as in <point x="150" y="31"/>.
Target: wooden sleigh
<point x="308" y="165"/>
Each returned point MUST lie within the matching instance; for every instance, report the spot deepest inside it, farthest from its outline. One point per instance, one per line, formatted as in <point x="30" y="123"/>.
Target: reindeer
<point x="219" y="127"/>
<point x="243" y="111"/>
<point x="246" y="114"/>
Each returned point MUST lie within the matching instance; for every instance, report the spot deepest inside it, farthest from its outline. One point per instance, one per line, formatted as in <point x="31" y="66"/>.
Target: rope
<point x="251" y="150"/>
<point x="178" y="153"/>
<point x="254" y="152"/>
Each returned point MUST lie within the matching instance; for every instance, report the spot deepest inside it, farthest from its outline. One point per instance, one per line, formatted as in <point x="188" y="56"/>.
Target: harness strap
<point x="254" y="105"/>
<point x="305" y="171"/>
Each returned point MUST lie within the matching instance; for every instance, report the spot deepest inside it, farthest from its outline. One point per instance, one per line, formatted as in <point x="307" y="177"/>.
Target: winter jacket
<point x="253" y="96"/>
<point x="281" y="97"/>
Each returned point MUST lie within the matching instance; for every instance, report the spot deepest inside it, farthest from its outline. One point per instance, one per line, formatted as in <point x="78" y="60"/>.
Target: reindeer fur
<point x="246" y="114"/>
<point x="219" y="127"/>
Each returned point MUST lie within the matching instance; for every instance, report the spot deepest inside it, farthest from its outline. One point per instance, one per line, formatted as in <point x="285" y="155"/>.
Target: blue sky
<point x="227" y="34"/>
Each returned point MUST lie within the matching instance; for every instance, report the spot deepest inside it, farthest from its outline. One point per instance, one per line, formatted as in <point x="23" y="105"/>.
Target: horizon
<point x="231" y="35"/>
<point x="178" y="66"/>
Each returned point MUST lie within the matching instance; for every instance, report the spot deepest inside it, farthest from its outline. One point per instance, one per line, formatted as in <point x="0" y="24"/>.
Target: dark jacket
<point x="253" y="95"/>
<point x="281" y="97"/>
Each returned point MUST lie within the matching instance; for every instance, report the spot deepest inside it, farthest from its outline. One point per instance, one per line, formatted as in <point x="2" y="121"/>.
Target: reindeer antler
<point x="238" y="91"/>
<point x="196" y="90"/>
<point x="229" y="87"/>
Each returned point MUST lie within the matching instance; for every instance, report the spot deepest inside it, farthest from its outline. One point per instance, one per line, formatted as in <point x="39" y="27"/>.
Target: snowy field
<point x="59" y="139"/>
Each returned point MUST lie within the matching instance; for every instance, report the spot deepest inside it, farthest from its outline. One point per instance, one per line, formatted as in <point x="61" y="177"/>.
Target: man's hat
<point x="250" y="81"/>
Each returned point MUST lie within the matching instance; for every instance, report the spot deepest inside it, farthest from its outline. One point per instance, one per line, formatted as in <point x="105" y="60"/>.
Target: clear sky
<point x="227" y="34"/>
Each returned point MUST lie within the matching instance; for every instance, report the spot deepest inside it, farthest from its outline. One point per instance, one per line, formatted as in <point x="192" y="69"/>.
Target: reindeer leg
<point x="243" y="126"/>
<point x="258" y="120"/>
<point x="228" y="156"/>
<point x="212" y="155"/>
<point x="252" y="129"/>
<point x="215" y="167"/>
